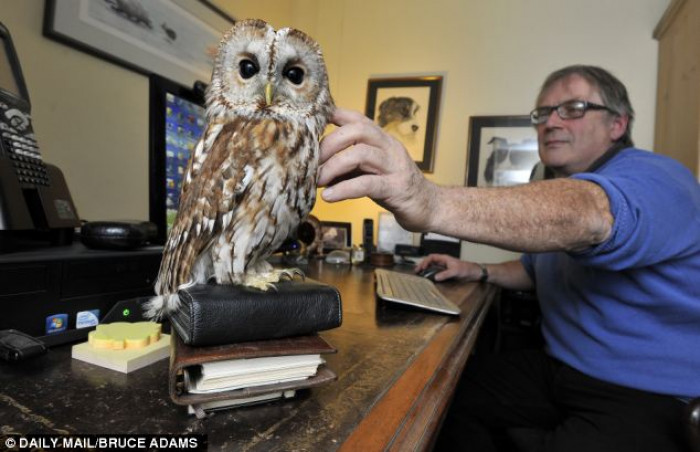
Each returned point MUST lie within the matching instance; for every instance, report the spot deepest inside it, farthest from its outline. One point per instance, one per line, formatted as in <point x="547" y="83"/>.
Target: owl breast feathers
<point x="252" y="177"/>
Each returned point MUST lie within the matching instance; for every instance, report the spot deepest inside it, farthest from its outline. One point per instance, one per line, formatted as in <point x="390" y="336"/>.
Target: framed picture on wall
<point x="391" y="233"/>
<point x="172" y="38"/>
<point x="407" y="108"/>
<point x="502" y="151"/>
<point x="335" y="235"/>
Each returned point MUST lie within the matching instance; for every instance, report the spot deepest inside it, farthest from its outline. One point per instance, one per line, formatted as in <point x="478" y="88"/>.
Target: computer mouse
<point x="430" y="272"/>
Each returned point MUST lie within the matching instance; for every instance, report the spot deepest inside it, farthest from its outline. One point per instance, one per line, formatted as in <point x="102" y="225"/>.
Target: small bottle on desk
<point x="358" y="254"/>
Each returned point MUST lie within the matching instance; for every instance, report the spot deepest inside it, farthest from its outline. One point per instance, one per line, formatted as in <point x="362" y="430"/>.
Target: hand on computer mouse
<point x="430" y="272"/>
<point x="440" y="264"/>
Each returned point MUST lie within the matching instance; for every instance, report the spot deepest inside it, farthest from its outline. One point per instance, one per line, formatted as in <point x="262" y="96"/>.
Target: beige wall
<point x="91" y="116"/>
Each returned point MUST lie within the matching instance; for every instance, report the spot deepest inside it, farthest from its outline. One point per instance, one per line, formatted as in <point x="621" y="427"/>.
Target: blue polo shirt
<point x="627" y="311"/>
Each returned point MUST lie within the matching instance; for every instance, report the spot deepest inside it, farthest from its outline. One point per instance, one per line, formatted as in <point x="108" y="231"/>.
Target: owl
<point x="251" y="179"/>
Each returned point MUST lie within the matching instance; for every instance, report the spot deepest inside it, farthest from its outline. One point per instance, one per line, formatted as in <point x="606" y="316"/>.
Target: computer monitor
<point x="11" y="79"/>
<point x="177" y="120"/>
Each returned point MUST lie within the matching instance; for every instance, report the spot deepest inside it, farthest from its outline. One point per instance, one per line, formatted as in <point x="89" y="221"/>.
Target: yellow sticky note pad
<point x="124" y="335"/>
<point x="124" y="346"/>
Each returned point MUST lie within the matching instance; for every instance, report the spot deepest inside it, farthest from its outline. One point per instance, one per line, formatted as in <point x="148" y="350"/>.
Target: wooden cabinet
<point x="677" y="132"/>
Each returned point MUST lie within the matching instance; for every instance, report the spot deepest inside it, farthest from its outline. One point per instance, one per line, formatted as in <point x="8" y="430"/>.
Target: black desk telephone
<point x="33" y="194"/>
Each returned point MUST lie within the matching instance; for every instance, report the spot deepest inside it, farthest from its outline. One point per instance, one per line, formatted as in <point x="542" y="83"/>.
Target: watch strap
<point x="484" y="273"/>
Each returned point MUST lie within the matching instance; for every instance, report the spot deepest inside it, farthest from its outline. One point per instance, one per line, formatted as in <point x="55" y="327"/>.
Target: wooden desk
<point x="396" y="368"/>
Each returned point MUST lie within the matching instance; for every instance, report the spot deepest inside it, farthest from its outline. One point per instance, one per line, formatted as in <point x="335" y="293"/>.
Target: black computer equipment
<point x="34" y="197"/>
<point x="440" y="244"/>
<point x="368" y="236"/>
<point x="59" y="294"/>
<point x="176" y="120"/>
<point x="132" y="310"/>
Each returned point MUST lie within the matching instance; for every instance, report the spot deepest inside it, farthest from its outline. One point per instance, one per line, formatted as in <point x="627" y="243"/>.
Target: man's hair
<point x="612" y="92"/>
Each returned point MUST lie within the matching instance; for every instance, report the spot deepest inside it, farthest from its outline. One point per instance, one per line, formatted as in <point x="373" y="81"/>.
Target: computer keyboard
<point x="412" y="290"/>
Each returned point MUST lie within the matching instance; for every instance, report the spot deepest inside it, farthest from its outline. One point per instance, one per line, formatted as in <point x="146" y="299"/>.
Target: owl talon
<point x="290" y="273"/>
<point x="266" y="281"/>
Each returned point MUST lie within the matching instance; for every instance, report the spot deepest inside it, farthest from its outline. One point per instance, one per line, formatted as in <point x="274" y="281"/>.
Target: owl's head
<point x="260" y="71"/>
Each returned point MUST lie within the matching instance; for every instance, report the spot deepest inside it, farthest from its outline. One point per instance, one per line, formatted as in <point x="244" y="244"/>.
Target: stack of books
<point x="236" y="346"/>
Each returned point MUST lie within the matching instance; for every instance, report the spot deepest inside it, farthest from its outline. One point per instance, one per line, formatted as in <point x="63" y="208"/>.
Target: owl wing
<point x="206" y="195"/>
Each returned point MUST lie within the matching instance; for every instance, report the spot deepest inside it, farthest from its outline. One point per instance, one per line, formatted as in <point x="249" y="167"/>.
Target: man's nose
<point x="553" y="120"/>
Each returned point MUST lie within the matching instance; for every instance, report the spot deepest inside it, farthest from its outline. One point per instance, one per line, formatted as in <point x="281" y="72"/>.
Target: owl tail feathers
<point x="161" y="305"/>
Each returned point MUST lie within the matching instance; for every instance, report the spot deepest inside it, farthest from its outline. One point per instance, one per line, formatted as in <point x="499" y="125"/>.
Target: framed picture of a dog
<point x="502" y="151"/>
<point x="407" y="108"/>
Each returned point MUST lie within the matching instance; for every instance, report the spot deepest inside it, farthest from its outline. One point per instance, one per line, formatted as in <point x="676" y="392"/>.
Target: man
<point x="612" y="247"/>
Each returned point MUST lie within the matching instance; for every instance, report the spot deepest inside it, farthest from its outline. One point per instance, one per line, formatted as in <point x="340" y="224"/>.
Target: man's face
<point x="570" y="146"/>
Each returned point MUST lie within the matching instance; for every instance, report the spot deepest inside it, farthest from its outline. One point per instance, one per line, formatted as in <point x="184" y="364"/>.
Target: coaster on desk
<point x="381" y="259"/>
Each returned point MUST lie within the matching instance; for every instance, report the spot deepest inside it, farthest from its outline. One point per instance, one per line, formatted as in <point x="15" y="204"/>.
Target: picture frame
<point x="502" y="151"/>
<point x="407" y="108"/>
<point x="335" y="235"/>
<point x="175" y="39"/>
<point x="391" y="233"/>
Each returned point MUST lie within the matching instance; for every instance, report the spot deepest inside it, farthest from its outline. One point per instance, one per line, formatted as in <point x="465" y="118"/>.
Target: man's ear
<point x="618" y="126"/>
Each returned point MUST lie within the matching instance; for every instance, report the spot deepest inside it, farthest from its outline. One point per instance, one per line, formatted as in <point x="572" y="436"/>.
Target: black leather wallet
<point x="17" y="346"/>
<point x="222" y="314"/>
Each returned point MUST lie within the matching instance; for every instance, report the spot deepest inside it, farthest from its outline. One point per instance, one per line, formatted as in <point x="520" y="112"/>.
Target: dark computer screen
<point x="177" y="121"/>
<point x="11" y="79"/>
<point x="7" y="78"/>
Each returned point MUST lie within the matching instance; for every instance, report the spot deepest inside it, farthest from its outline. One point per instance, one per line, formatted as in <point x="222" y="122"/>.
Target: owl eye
<point x="248" y="68"/>
<point x="295" y="75"/>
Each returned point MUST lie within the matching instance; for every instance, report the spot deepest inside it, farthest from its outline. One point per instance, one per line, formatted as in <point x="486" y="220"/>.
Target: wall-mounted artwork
<point x="175" y="39"/>
<point x="407" y="108"/>
<point x="335" y="235"/>
<point x="502" y="151"/>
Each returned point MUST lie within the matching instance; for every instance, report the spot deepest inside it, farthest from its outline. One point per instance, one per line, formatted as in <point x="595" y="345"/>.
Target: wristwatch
<point x="484" y="273"/>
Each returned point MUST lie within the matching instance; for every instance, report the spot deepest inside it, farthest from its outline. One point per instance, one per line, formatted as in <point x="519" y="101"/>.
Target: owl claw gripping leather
<point x="252" y="177"/>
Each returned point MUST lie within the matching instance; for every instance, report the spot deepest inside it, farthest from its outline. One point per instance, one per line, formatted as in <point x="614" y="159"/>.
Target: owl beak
<point x="268" y="94"/>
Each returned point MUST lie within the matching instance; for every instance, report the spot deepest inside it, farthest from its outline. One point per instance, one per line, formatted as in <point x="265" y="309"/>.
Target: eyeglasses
<point x="571" y="109"/>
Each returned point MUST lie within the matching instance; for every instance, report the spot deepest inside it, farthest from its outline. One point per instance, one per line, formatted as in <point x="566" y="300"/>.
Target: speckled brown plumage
<point x="252" y="177"/>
